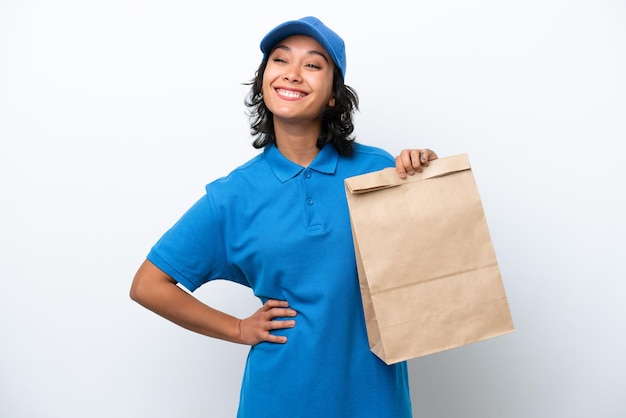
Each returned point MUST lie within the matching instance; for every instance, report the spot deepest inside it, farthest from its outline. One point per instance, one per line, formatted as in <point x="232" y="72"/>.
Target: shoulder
<point x="373" y="154"/>
<point x="253" y="168"/>
<point x="364" y="159"/>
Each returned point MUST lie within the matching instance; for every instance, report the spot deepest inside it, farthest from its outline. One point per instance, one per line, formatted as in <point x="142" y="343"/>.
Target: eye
<point x="276" y="59"/>
<point x="314" y="66"/>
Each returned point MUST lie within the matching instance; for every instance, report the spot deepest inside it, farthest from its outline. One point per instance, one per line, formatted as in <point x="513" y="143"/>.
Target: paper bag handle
<point x="386" y="178"/>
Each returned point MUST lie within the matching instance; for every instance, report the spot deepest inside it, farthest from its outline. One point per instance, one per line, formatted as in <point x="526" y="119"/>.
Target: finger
<point x="275" y="303"/>
<point x="278" y="339"/>
<point x="400" y="170"/>
<point x="417" y="159"/>
<point x="405" y="164"/>
<point x="276" y="324"/>
<point x="427" y="156"/>
<point x="423" y="157"/>
<point x="281" y="312"/>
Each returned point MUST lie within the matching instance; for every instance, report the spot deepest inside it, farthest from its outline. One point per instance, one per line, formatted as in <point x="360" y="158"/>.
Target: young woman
<point x="279" y="224"/>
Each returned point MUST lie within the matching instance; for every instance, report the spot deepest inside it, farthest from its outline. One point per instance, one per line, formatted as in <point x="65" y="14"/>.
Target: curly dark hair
<point x="337" y="126"/>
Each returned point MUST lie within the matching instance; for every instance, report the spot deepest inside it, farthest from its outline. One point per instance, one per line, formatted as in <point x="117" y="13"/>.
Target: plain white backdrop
<point x="113" y="116"/>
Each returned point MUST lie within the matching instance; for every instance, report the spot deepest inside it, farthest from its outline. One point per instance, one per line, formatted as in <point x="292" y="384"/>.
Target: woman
<point x="280" y="225"/>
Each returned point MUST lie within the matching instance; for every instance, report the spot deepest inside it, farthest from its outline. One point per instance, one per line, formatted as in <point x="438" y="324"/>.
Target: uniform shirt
<point x="284" y="231"/>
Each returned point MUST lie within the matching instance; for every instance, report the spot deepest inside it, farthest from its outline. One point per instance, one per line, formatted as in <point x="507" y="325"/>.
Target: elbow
<point x="140" y="292"/>
<point x="135" y="292"/>
<point x="148" y="284"/>
<point x="139" y="288"/>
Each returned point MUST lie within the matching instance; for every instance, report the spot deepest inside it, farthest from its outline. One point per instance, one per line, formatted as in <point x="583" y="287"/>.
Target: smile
<point x="290" y="94"/>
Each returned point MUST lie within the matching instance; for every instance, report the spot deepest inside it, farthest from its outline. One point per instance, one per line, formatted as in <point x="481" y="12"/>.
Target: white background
<point x="113" y="116"/>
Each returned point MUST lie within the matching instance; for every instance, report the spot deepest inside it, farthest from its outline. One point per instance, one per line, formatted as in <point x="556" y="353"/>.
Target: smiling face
<point x="298" y="80"/>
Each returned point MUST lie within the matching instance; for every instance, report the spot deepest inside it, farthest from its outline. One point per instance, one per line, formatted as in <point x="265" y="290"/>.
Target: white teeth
<point x="289" y="93"/>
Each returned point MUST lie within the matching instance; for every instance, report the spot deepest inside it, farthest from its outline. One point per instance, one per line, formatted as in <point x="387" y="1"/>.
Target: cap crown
<point x="313" y="27"/>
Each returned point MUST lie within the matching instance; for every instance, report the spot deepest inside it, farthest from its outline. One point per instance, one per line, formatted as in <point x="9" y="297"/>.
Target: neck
<point x="297" y="144"/>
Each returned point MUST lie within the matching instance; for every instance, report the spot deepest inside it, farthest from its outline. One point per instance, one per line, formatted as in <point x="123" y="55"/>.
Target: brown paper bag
<point x="427" y="269"/>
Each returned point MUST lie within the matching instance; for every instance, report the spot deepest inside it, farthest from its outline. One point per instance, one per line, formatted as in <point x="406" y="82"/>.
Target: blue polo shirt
<point x="284" y="231"/>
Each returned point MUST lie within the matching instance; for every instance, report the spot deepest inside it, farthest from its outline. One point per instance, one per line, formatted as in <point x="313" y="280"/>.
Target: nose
<point x="292" y="73"/>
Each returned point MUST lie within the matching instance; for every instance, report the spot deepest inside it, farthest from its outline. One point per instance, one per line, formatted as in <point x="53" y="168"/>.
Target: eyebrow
<point x="311" y="52"/>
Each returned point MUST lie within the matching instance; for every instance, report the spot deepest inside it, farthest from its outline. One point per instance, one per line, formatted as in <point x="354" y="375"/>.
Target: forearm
<point x="157" y="292"/>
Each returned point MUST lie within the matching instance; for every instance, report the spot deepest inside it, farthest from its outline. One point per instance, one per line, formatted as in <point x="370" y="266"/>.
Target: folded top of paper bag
<point x="388" y="177"/>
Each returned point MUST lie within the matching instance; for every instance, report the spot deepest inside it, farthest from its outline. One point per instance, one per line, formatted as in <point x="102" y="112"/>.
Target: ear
<point x="331" y="102"/>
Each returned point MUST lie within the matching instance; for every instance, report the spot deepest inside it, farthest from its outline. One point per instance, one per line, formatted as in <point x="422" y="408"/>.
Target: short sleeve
<point x="193" y="251"/>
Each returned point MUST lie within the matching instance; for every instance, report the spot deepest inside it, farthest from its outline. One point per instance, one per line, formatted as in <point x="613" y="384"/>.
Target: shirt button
<point x="307" y="174"/>
<point x="309" y="201"/>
